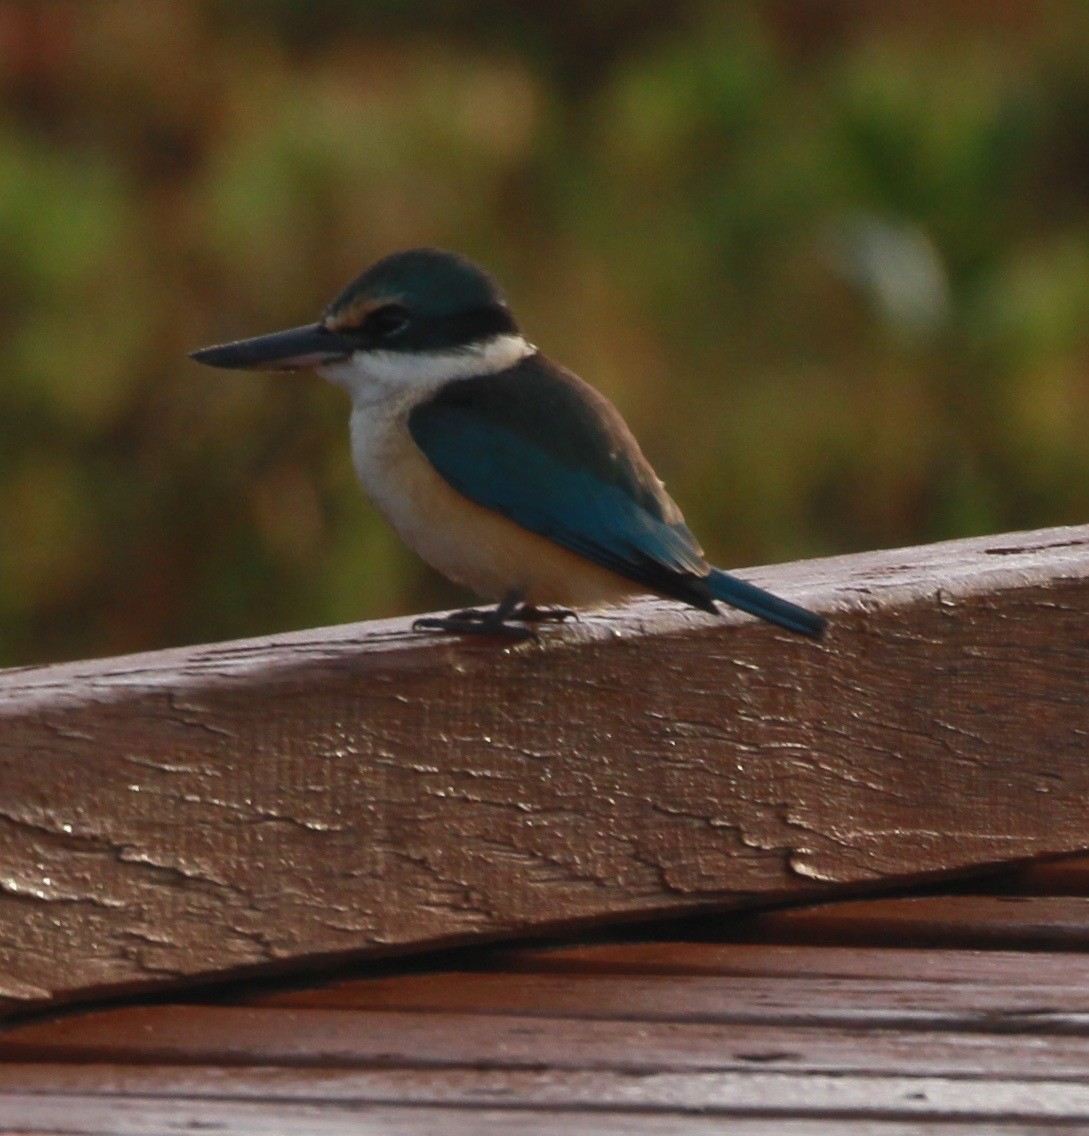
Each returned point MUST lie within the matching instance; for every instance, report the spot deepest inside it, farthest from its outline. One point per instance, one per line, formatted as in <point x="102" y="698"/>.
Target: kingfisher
<point x="503" y="470"/>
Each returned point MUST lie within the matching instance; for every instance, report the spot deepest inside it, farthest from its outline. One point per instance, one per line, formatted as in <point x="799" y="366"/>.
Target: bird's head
<point x="412" y="318"/>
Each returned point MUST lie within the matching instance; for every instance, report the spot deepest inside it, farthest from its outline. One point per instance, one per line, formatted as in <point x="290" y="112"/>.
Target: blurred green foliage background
<point x="829" y="257"/>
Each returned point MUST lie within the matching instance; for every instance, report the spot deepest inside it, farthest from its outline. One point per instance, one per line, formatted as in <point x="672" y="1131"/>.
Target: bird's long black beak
<point x="299" y="349"/>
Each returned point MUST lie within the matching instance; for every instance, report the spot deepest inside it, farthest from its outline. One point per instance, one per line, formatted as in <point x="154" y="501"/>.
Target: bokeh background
<point x="829" y="257"/>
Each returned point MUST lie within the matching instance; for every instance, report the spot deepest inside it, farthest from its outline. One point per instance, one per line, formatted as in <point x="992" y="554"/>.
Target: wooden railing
<point x="363" y="788"/>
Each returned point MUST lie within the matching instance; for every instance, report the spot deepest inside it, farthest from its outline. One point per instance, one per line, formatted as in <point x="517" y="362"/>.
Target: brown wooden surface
<point x="94" y="1116"/>
<point x="358" y="788"/>
<point x="649" y="1036"/>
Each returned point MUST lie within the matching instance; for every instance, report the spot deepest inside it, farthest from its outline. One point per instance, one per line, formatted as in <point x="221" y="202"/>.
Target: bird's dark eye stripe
<point x="386" y="320"/>
<point x="406" y="330"/>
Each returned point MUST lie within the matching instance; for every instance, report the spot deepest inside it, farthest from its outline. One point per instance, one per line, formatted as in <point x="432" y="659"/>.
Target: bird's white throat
<point x="374" y="376"/>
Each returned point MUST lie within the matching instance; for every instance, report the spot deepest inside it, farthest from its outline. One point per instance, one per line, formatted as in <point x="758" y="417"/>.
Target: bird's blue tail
<point x="757" y="602"/>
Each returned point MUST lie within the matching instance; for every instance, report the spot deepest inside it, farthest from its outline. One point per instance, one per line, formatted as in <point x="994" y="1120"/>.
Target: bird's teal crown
<point x="421" y="299"/>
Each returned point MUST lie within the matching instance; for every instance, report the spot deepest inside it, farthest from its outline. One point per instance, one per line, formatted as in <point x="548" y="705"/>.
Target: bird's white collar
<point x="375" y="375"/>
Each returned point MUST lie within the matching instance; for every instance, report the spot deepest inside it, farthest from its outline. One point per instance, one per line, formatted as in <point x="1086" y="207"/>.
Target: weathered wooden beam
<point x="191" y="811"/>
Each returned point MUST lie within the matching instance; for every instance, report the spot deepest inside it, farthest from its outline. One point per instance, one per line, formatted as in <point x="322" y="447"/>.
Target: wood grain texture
<point x="609" y="1037"/>
<point x="139" y="1115"/>
<point x="338" y="1040"/>
<point x="773" y="959"/>
<point x="362" y="788"/>
<point x="615" y="1037"/>
<point x="795" y="1000"/>
<point x="726" y="1094"/>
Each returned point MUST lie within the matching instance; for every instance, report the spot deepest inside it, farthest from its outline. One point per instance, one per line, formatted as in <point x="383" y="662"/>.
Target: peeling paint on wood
<point x="190" y="811"/>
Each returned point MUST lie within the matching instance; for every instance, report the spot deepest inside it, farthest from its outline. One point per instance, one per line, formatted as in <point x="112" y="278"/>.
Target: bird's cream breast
<point x="474" y="546"/>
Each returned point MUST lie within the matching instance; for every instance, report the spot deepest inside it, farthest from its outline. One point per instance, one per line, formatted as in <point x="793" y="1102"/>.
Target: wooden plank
<point x="209" y="1037"/>
<point x="722" y="1094"/>
<point x="362" y="788"/>
<point x="755" y="959"/>
<point x="857" y="1002"/>
<point x="98" y="1116"/>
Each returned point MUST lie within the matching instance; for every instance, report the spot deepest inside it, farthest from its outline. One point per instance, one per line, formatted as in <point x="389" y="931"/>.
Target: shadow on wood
<point x="175" y="814"/>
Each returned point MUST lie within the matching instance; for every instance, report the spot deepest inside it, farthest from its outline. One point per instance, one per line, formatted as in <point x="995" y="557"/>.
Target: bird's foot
<point x="466" y="615"/>
<point x="473" y="621"/>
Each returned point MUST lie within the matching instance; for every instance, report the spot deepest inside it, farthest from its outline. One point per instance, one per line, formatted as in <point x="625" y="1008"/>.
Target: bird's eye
<point x="385" y="322"/>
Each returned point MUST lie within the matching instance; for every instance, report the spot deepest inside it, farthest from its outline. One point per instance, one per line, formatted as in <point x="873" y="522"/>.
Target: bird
<point x="508" y="473"/>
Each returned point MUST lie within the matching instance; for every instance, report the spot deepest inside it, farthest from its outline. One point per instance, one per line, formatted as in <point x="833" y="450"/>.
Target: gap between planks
<point x="858" y="1004"/>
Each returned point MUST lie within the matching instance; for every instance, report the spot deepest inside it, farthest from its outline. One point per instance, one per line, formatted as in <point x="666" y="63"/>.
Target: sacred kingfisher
<point x="504" y="471"/>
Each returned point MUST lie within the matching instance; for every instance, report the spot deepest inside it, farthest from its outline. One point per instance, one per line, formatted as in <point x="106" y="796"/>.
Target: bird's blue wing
<point x="543" y="448"/>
